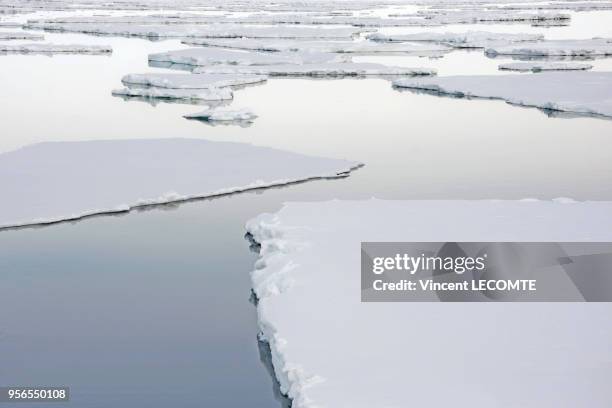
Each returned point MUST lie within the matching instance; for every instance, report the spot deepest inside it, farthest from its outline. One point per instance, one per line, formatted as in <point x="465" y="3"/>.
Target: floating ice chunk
<point x="5" y="35"/>
<point x="470" y="39"/>
<point x="577" y="92"/>
<point x="307" y="280"/>
<point x="596" y="47"/>
<point x="55" y="49"/>
<point x="224" y="115"/>
<point x="203" y="31"/>
<point x="191" y="81"/>
<point x="544" y="66"/>
<point x="316" y="70"/>
<point x="55" y="181"/>
<point x="349" y="47"/>
<point x="212" y="55"/>
<point x="208" y="94"/>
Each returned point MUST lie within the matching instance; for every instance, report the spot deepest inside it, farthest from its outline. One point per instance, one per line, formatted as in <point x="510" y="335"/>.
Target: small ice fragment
<point x="224" y="115"/>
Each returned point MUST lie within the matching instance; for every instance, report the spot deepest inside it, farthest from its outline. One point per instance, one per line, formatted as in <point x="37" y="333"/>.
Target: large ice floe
<point x="182" y="94"/>
<point x="544" y="66"/>
<point x="75" y="179"/>
<point x="316" y="70"/>
<point x="470" y="39"/>
<point x="576" y="92"/>
<point x="46" y="48"/>
<point x="240" y="117"/>
<point x="330" y="350"/>
<point x="203" y="31"/>
<point x="348" y="47"/>
<point x="596" y="47"/>
<point x="190" y="81"/>
<point x="211" y="55"/>
<point x="20" y="35"/>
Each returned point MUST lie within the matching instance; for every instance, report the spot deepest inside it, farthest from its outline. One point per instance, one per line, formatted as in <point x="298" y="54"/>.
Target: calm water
<point x="152" y="308"/>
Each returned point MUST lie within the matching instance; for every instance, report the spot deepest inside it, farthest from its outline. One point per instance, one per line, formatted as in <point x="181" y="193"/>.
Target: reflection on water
<point x="152" y="308"/>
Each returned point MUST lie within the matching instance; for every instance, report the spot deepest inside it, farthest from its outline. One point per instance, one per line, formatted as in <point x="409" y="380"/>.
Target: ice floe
<point x="203" y="31"/>
<point x="331" y="350"/>
<point x="211" y="55"/>
<point x="316" y="70"/>
<point x="576" y="92"/>
<point x="596" y="47"/>
<point x="348" y="47"/>
<point x="225" y="116"/>
<point x="470" y="39"/>
<point x="544" y="66"/>
<point x="76" y="179"/>
<point x="187" y="95"/>
<point x="191" y="81"/>
<point x="38" y="48"/>
<point x="20" y="35"/>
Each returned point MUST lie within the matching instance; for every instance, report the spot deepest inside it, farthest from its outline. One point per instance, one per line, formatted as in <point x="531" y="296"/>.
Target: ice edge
<point x="172" y="197"/>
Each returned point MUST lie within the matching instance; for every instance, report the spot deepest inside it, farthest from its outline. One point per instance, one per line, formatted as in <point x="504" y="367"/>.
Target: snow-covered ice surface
<point x="349" y="47"/>
<point x="203" y="31"/>
<point x="212" y="55"/>
<point x="470" y="39"/>
<point x="19" y="35"/>
<point x="185" y="94"/>
<point x="316" y="70"/>
<point x="226" y="116"/>
<point x="191" y="81"/>
<point x="596" y="47"/>
<point x="46" y="48"/>
<point x="576" y="92"/>
<point x="331" y="350"/>
<point x="544" y="66"/>
<point x="75" y="179"/>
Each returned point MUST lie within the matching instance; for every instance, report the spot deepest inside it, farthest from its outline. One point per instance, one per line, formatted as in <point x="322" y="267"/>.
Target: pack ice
<point x="331" y="350"/>
<point x="576" y="92"/>
<point x="76" y="179"/>
<point x="190" y="81"/>
<point x="252" y="19"/>
<point x="470" y="39"/>
<point x="199" y="30"/>
<point x="316" y="70"/>
<point x="596" y="47"/>
<point x="544" y="66"/>
<point x="38" y="48"/>
<point x="210" y="56"/>
<point x="5" y="35"/>
<point x="342" y="47"/>
<point x="182" y="94"/>
<point x="487" y="16"/>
